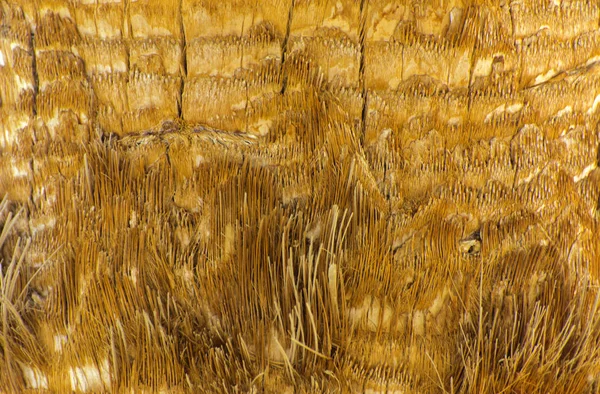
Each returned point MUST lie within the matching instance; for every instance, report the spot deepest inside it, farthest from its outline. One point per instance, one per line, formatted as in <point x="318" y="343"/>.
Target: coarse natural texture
<point x="297" y="196"/>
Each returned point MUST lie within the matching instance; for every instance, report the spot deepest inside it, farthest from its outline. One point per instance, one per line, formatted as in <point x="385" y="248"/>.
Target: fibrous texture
<point x="300" y="196"/>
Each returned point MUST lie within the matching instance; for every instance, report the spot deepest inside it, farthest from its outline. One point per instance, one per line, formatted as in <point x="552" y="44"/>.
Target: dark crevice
<point x="472" y="60"/>
<point x="284" y="46"/>
<point x="361" y="69"/>
<point x="127" y="41"/>
<point x="363" y="116"/>
<point x="183" y="67"/>
<point x="36" y="81"/>
<point x="127" y="28"/>
<point x="167" y="153"/>
<point x="36" y="88"/>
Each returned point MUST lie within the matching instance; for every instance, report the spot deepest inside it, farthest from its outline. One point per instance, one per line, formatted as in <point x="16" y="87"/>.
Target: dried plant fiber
<point x="299" y="196"/>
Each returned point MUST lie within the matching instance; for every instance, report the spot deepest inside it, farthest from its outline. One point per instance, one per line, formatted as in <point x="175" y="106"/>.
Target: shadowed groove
<point x="284" y="48"/>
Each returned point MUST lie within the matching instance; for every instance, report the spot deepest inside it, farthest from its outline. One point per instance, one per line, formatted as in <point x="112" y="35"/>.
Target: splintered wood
<point x="300" y="196"/>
